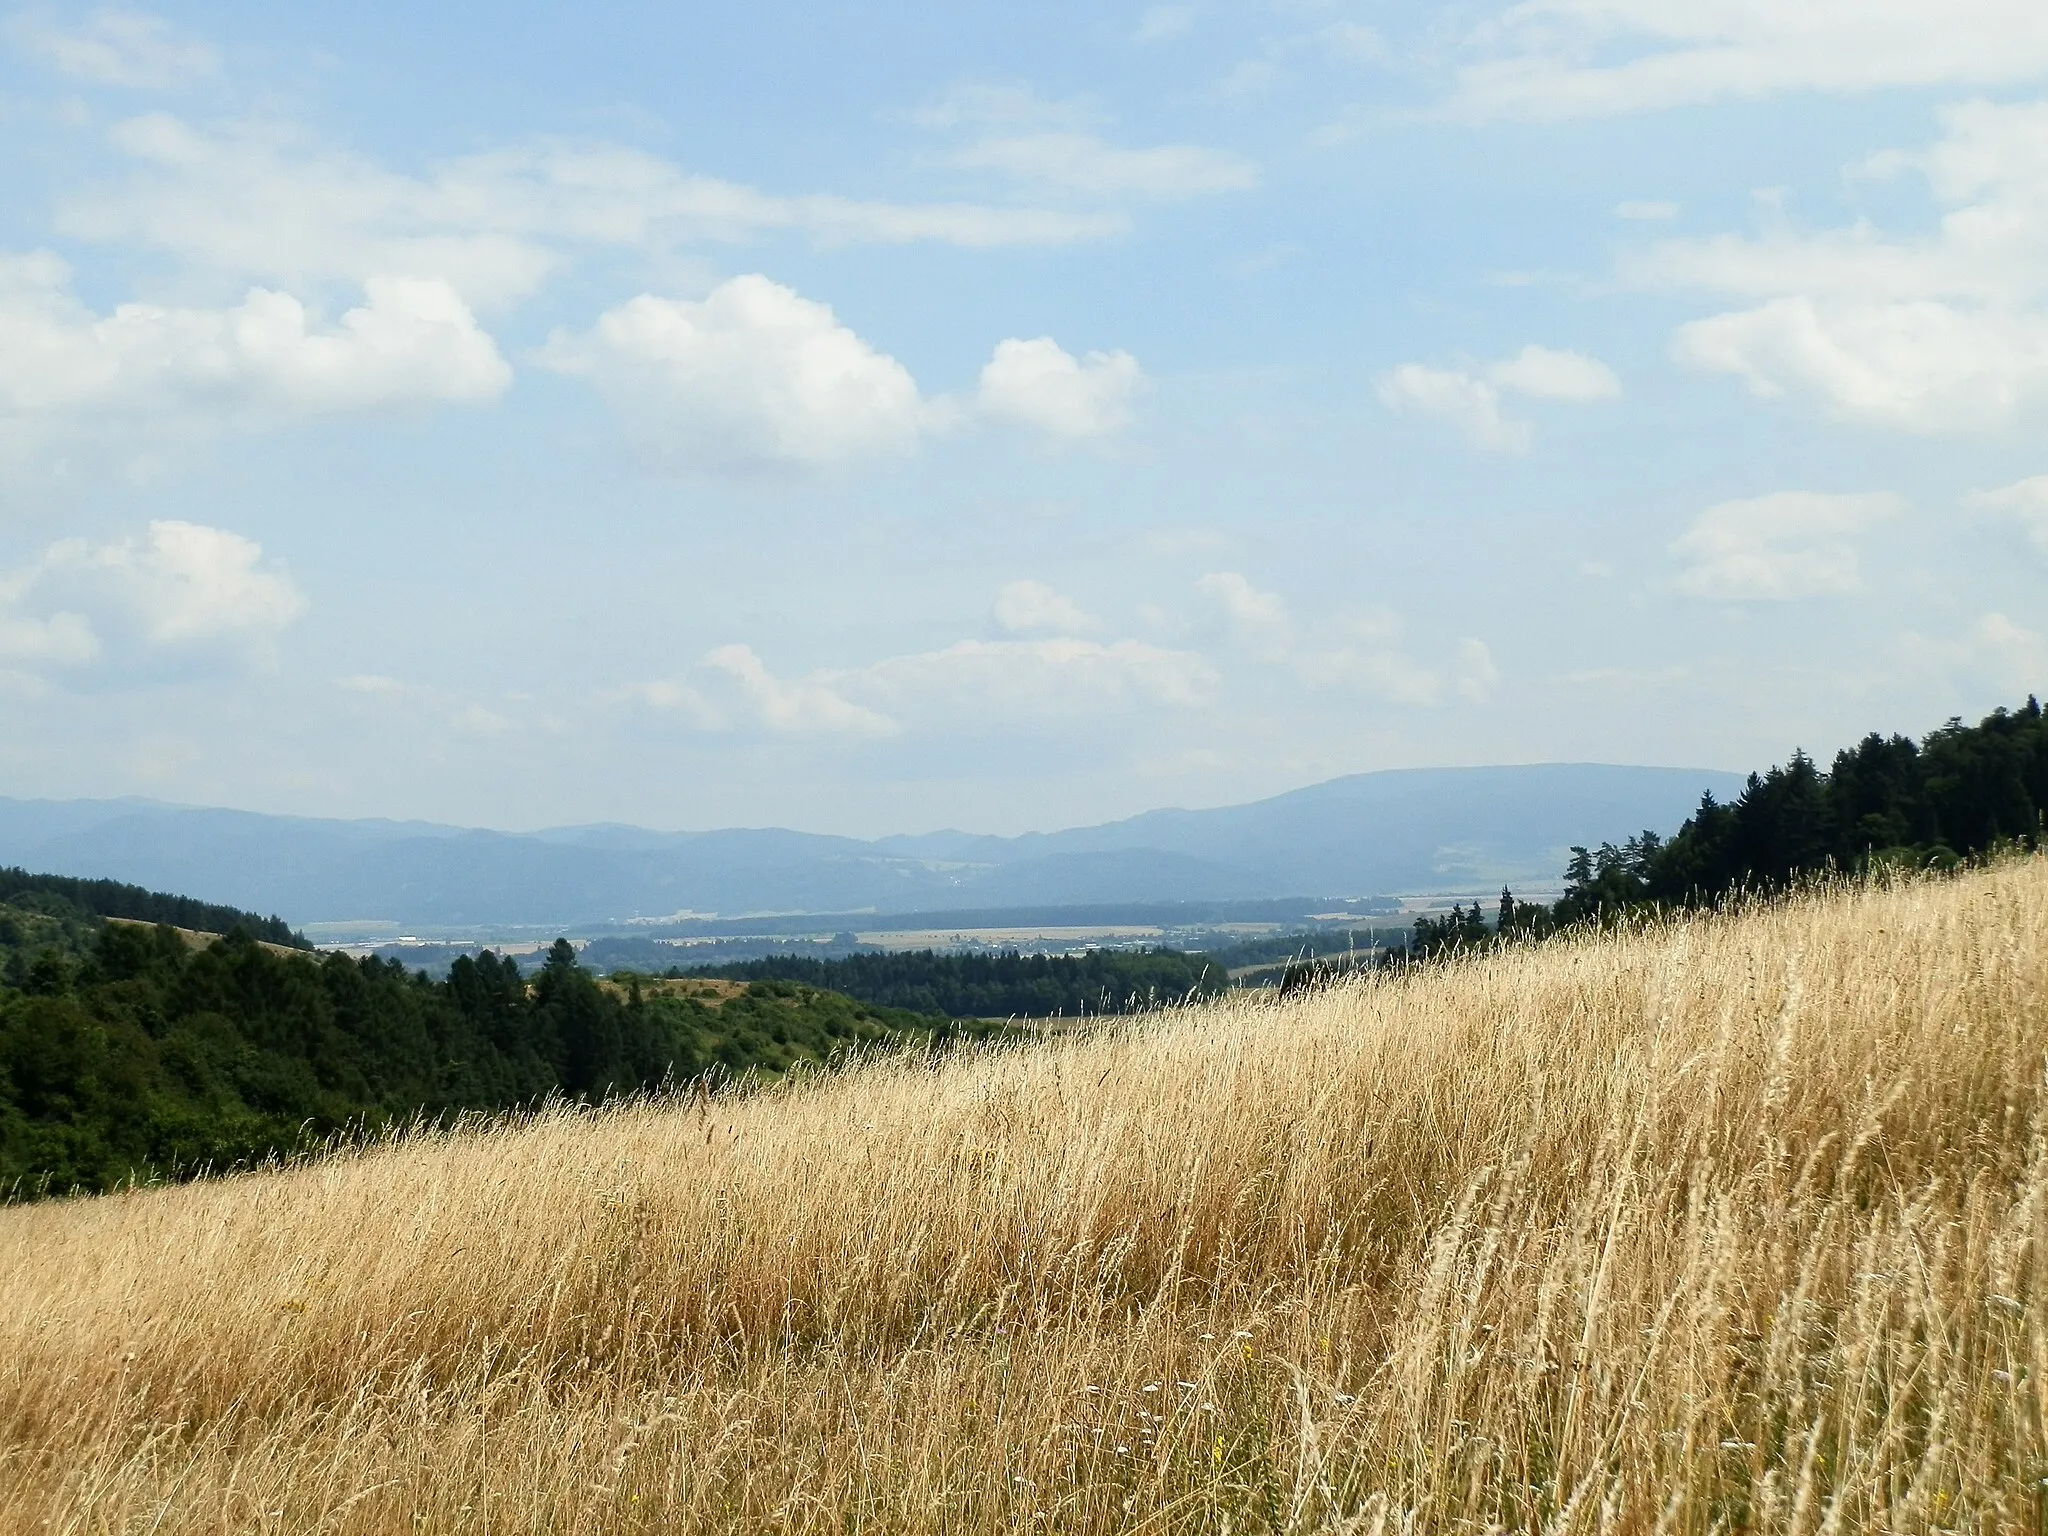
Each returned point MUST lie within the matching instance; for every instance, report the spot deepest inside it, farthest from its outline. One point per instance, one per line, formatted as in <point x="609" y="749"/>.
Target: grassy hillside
<point x="1732" y="1224"/>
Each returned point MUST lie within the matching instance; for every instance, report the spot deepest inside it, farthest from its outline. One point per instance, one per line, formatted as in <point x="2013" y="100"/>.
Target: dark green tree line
<point x="996" y="986"/>
<point x="137" y="1055"/>
<point x="1959" y="792"/>
<point x="111" y="898"/>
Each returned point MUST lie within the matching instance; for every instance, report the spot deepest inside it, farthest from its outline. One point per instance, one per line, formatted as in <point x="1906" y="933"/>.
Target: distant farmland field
<point x="1735" y="1223"/>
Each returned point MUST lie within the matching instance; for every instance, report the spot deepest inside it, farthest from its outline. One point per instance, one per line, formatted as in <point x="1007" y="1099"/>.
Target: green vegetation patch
<point x="995" y="986"/>
<point x="112" y="898"/>
<point x="1960" y="792"/>
<point x="127" y="1053"/>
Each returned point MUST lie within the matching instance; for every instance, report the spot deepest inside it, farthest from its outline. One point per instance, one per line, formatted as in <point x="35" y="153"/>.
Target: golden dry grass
<point x="1729" y="1225"/>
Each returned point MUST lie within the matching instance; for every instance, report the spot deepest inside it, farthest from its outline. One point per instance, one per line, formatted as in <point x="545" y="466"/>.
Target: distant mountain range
<point x="1400" y="831"/>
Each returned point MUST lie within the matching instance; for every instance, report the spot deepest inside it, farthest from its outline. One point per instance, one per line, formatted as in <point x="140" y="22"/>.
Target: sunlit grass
<point x="1732" y="1224"/>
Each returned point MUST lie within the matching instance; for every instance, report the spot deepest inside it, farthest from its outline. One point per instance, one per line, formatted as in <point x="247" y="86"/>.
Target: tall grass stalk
<point x="1731" y="1224"/>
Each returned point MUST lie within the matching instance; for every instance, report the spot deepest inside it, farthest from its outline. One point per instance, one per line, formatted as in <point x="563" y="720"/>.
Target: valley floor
<point x="1729" y="1224"/>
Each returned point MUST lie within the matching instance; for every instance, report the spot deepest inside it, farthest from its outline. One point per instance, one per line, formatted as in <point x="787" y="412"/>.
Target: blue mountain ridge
<point x="1398" y="831"/>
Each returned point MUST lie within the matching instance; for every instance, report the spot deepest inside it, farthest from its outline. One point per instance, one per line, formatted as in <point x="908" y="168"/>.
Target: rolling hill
<point x="1727" y="1224"/>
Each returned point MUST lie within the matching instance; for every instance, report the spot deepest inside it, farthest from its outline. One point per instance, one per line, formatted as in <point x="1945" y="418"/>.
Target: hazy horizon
<point x="534" y="829"/>
<point x="830" y="416"/>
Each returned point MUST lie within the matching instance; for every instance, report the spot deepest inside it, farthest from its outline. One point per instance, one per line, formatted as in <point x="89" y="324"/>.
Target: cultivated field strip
<point x="1734" y="1224"/>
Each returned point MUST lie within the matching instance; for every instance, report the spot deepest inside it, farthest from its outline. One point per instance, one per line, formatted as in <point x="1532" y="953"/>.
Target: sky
<point x="873" y="419"/>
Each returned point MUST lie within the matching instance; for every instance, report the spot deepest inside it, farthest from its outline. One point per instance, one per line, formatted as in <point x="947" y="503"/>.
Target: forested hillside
<point x="1959" y="791"/>
<point x="134" y="1054"/>
<point x="111" y="898"/>
<point x="998" y="986"/>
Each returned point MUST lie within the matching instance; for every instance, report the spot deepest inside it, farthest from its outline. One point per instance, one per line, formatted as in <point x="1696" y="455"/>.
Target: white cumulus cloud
<point x="753" y="374"/>
<point x="1547" y="373"/>
<point x="1921" y="365"/>
<point x="184" y="583"/>
<point x="1470" y="400"/>
<point x="180" y="588"/>
<point x="1790" y="544"/>
<point x="1471" y="405"/>
<point x="1040" y="384"/>
<point x="411" y="341"/>
<point x="1937" y="333"/>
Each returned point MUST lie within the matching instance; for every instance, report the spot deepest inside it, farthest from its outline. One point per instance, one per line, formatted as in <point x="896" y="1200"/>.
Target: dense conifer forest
<point x="1959" y="792"/>
<point x="126" y="1052"/>
<point x="110" y="898"/>
<point x="997" y="986"/>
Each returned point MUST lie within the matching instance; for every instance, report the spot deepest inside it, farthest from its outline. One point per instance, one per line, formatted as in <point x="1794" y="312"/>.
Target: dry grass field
<point x="1729" y="1225"/>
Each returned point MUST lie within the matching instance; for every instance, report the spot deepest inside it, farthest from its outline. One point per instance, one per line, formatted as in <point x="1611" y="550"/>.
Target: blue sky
<point x="879" y="418"/>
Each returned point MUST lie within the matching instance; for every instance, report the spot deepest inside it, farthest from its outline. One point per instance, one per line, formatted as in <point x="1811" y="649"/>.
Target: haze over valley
<point x="1416" y="831"/>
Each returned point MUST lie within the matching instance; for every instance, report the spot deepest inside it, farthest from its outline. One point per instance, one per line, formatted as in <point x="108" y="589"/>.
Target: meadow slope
<point x="1730" y="1224"/>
